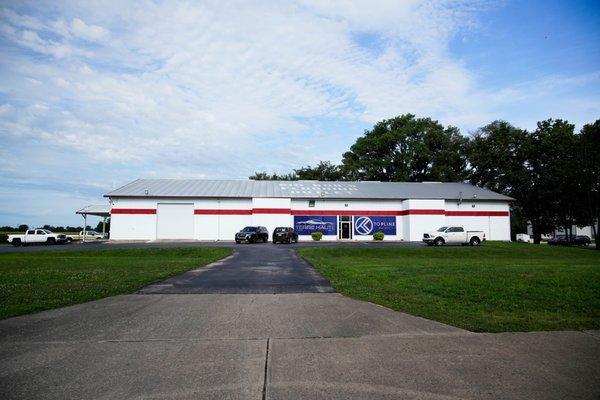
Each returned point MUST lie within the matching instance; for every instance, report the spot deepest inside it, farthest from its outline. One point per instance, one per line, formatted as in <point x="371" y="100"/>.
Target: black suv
<point x="285" y="235"/>
<point x="252" y="234"/>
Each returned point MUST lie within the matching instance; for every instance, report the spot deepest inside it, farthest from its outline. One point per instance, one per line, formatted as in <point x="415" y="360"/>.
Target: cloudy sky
<point x="94" y="95"/>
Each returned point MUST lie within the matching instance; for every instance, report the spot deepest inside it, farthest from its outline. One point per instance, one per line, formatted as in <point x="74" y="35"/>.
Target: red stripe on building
<point x="133" y="211"/>
<point x="423" y="212"/>
<point x="223" y="212"/>
<point x="477" y="213"/>
<point x="271" y="211"/>
<point x="286" y="211"/>
<point x="346" y="212"/>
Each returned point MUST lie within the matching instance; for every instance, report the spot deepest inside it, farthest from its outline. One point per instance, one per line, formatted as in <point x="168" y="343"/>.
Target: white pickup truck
<point x="453" y="235"/>
<point x="89" y="235"/>
<point x="36" y="236"/>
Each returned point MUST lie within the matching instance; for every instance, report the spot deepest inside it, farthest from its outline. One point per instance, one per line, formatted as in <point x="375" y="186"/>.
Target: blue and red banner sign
<point x="307" y="224"/>
<point x="368" y="225"/>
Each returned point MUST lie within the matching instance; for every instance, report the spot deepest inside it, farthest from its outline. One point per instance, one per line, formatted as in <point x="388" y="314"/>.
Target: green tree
<point x="99" y="226"/>
<point x="587" y="202"/>
<point x="324" y="171"/>
<point x="555" y="172"/>
<point x="537" y="169"/>
<point x="406" y="148"/>
<point x="264" y="176"/>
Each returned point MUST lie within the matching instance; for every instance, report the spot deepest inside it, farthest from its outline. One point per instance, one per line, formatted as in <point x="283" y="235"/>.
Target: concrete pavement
<point x="283" y="346"/>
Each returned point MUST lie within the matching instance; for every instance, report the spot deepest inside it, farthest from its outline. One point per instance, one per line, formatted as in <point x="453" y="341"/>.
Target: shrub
<point x="378" y="236"/>
<point x="3" y="238"/>
<point x="317" y="235"/>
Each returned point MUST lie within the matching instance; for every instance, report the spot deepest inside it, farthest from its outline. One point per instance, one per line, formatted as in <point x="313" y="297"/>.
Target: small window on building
<point x="311" y="203"/>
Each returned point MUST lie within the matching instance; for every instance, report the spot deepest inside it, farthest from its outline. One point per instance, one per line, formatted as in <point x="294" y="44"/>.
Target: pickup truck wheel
<point x="16" y="242"/>
<point x="51" y="241"/>
<point x="474" y="241"/>
<point x="439" y="242"/>
<point x="69" y="239"/>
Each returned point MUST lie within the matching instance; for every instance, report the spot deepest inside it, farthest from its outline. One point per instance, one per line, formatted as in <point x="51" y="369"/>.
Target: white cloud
<point x="223" y="88"/>
<point x="91" y="33"/>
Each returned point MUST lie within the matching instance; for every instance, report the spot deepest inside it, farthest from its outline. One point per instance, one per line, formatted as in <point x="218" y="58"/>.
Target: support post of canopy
<point x="84" y="226"/>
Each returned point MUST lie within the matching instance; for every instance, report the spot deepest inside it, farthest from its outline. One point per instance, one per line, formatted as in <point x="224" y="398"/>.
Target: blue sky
<point x="95" y="95"/>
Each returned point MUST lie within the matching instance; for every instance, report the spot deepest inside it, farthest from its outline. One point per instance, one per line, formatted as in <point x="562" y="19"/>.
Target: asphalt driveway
<point x="258" y="268"/>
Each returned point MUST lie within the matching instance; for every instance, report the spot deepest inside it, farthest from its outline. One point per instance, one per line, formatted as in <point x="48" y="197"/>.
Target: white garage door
<point x="174" y="221"/>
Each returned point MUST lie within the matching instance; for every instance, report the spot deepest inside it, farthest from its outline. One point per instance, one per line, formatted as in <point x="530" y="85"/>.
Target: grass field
<point x="497" y="287"/>
<point x="36" y="281"/>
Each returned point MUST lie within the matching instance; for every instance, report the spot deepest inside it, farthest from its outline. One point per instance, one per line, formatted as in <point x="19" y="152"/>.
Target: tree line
<point x="552" y="172"/>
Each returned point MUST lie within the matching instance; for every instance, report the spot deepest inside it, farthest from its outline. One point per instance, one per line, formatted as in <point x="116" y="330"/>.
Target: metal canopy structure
<point x="97" y="210"/>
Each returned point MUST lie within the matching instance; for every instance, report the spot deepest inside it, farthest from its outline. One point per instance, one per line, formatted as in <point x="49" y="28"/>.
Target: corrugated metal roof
<point x="102" y="210"/>
<point x="302" y="189"/>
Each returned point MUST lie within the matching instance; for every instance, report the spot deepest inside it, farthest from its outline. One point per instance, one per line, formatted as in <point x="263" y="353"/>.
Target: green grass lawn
<point x="36" y="281"/>
<point x="497" y="287"/>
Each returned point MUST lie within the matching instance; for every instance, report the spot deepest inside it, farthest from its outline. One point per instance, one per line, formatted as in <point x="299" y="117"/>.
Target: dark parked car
<point x="582" y="240"/>
<point x="561" y="240"/>
<point x="558" y="240"/>
<point x="285" y="235"/>
<point x="252" y="234"/>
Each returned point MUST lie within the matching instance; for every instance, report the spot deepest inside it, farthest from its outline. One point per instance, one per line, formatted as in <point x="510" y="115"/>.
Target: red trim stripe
<point x="271" y="211"/>
<point x="223" y="212"/>
<point x="477" y="213"/>
<point x="133" y="211"/>
<point x="286" y="211"/>
<point x="423" y="212"/>
<point x="345" y="212"/>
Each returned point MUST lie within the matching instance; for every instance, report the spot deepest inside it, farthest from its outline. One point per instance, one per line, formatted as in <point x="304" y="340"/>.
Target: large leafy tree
<point x="554" y="170"/>
<point x="587" y="203"/>
<point x="406" y="148"/>
<point x="498" y="161"/>
<point x="537" y="168"/>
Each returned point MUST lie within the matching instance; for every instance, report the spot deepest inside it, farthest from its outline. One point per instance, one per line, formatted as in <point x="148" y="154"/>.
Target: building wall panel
<point x="421" y="216"/>
<point x="491" y="217"/>
<point x="220" y="219"/>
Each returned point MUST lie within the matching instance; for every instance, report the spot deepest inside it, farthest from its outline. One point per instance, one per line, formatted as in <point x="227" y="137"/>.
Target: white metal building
<point x="149" y="209"/>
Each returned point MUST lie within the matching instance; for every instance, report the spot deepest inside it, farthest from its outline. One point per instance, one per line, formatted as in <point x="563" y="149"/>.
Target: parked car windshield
<point x="249" y="229"/>
<point x="280" y="229"/>
<point x="442" y="229"/>
<point x="47" y="231"/>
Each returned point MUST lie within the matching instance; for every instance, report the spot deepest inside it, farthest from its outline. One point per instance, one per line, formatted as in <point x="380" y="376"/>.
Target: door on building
<point x="345" y="227"/>
<point x="175" y="221"/>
